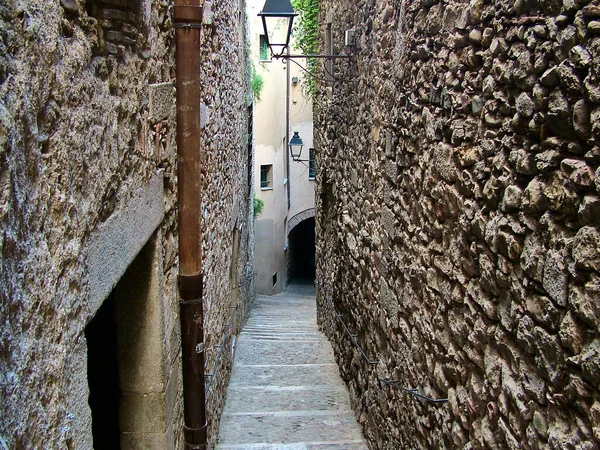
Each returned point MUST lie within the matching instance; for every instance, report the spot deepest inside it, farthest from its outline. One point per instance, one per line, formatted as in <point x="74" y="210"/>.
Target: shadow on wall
<point x="302" y="253"/>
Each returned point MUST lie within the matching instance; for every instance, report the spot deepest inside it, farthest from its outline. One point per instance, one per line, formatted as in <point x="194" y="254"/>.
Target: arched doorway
<point x="301" y="261"/>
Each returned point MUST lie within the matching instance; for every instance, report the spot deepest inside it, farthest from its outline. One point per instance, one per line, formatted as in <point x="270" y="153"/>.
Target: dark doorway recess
<point x="103" y="376"/>
<point x="302" y="253"/>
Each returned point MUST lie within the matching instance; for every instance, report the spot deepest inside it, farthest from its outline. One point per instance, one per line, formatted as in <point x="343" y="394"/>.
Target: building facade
<point x="90" y="334"/>
<point x="458" y="220"/>
<point x="286" y="187"/>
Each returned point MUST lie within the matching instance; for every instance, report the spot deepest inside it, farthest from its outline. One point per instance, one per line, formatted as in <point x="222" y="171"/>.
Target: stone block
<point x="145" y="441"/>
<point x="143" y="413"/>
<point x="162" y="101"/>
<point x="115" y="244"/>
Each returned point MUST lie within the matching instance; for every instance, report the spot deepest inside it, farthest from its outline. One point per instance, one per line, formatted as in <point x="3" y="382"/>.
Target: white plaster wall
<point x="271" y="148"/>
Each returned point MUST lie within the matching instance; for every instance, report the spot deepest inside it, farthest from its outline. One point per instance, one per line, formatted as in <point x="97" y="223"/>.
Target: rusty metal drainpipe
<point x="287" y="131"/>
<point x="188" y="25"/>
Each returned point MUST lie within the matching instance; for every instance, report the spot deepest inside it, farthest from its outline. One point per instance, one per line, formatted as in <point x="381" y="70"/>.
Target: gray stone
<point x="589" y="211"/>
<point x="579" y="172"/>
<point x="487" y="36"/>
<point x="498" y="46"/>
<point x="523" y="162"/>
<point x="476" y="104"/>
<point x="586" y="248"/>
<point x="161" y="101"/>
<point x="550" y="77"/>
<point x="580" y="57"/>
<point x="571" y="332"/>
<point x="525" y="105"/>
<point x="540" y="424"/>
<point x="591" y="10"/>
<point x="475" y="36"/>
<point x="512" y="198"/>
<point x="593" y="26"/>
<point x="569" y="78"/>
<point x="70" y="6"/>
<point x="585" y="306"/>
<point x="555" y="280"/>
<point x="581" y="119"/>
<point x="559" y="113"/>
<point x="548" y="160"/>
<point x="590" y="362"/>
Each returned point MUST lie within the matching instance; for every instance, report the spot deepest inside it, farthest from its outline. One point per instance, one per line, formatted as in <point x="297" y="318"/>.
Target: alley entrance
<point x="302" y="252"/>
<point x="103" y="376"/>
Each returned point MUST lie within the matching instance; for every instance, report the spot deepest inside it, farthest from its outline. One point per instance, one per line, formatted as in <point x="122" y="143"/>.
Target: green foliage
<point x="306" y="38"/>
<point x="258" y="205"/>
<point x="256" y="84"/>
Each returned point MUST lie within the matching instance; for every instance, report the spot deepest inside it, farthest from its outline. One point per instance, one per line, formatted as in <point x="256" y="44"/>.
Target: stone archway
<point x="300" y="217"/>
<point x="301" y="240"/>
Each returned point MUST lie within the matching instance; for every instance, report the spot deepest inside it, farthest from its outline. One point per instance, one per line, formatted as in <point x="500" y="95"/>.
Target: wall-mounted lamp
<point x="295" y="145"/>
<point x="294" y="81"/>
<point x="277" y="19"/>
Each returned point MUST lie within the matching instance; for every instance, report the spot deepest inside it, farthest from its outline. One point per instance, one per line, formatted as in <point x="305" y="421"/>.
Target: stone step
<point x="267" y="399"/>
<point x="289" y="323"/>
<point x="304" y="426"/>
<point x="284" y="375"/>
<point x="282" y="329"/>
<point x="272" y="352"/>
<point x="274" y="329"/>
<point x="281" y="339"/>
<point x="285" y="392"/>
<point x="340" y="445"/>
<point x="273" y="333"/>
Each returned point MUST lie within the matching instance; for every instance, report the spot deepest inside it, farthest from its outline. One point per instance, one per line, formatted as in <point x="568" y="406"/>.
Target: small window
<point x="264" y="51"/>
<point x="274" y="278"/>
<point x="312" y="171"/>
<point x="266" y="176"/>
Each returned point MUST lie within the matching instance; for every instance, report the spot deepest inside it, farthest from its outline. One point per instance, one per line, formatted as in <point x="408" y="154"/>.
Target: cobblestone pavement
<point x="285" y="391"/>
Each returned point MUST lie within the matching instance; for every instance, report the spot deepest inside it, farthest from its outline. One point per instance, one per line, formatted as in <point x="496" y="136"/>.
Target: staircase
<point x="285" y="391"/>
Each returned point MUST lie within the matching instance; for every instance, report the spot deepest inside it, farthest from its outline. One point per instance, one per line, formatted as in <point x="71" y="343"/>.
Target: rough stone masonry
<point x="88" y="210"/>
<point x="459" y="219"/>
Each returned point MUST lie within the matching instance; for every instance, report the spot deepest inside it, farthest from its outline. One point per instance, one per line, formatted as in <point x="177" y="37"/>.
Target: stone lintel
<point x="116" y="243"/>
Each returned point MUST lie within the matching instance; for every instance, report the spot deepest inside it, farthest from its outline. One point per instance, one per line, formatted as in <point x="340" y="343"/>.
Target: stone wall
<point x="227" y="205"/>
<point x="458" y="224"/>
<point x="88" y="193"/>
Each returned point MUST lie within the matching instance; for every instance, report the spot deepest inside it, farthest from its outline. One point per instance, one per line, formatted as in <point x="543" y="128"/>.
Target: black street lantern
<point x="277" y="18"/>
<point x="295" y="146"/>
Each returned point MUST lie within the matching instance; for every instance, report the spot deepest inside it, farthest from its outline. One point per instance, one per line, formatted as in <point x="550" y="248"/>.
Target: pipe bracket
<point x="187" y="15"/>
<point x="191" y="288"/>
<point x="191" y="435"/>
<point x="193" y="430"/>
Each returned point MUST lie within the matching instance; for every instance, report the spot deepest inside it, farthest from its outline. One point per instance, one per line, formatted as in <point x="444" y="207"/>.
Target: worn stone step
<point x="268" y="399"/>
<point x="344" y="445"/>
<point x="284" y="375"/>
<point x="285" y="392"/>
<point x="281" y="339"/>
<point x="269" y="333"/>
<point x="273" y="329"/>
<point x="281" y="329"/>
<point x="278" y="427"/>
<point x="271" y="352"/>
<point x="278" y="323"/>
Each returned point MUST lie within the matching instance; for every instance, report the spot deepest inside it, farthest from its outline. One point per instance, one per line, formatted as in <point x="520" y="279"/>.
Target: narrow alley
<point x="285" y="391"/>
<point x="170" y="169"/>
